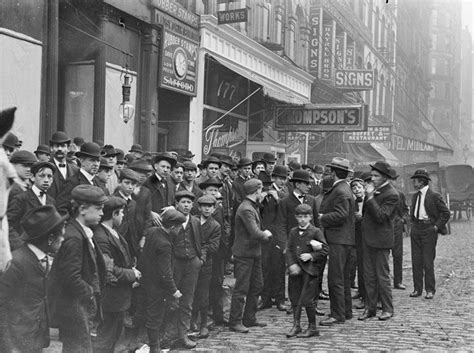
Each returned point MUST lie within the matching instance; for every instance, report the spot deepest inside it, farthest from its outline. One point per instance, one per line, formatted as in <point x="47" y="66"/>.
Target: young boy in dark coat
<point x="305" y="252"/>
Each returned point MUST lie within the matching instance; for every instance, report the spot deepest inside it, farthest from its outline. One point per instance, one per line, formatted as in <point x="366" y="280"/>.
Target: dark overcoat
<point x="160" y="197"/>
<point x="59" y="180"/>
<point x="436" y="210"/>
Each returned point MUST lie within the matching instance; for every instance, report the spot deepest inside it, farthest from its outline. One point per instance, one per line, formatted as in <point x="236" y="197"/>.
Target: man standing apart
<point x="247" y="253"/>
<point x="377" y="239"/>
<point x="337" y="218"/>
<point x="429" y="215"/>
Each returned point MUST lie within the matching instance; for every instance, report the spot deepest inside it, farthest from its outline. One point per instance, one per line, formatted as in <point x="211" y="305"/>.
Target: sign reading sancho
<point x="321" y="117"/>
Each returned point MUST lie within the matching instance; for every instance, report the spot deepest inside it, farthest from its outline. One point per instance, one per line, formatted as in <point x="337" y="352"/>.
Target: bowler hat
<point x="228" y="160"/>
<point x="280" y="171"/>
<point x="41" y="221"/>
<point x="384" y="168"/>
<point x="89" y="149"/>
<point x="129" y="174"/>
<point x="184" y="193"/>
<point x="11" y="140"/>
<point x="104" y="163"/>
<point x="340" y="163"/>
<point x="210" y="160"/>
<point x="269" y="157"/>
<point x="141" y="166"/>
<point x="23" y="157"/>
<point x="207" y="200"/>
<point x="165" y="156"/>
<point x="120" y="156"/>
<point x="136" y="148"/>
<point x="42" y="149"/>
<point x="40" y="165"/>
<point x="421" y="173"/>
<point x="7" y="117"/>
<point x="59" y="137"/>
<point x="294" y="165"/>
<point x="188" y="165"/>
<point x="188" y="155"/>
<point x="252" y="185"/>
<point x="210" y="182"/>
<point x="171" y="217"/>
<point x="85" y="193"/>
<point x="301" y="175"/>
<point x="113" y="203"/>
<point x="244" y="161"/>
<point x="78" y="141"/>
<point x="109" y="151"/>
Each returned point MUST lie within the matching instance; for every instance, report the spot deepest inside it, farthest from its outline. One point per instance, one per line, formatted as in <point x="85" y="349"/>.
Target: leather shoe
<point x="366" y="315"/>
<point x="429" y="295"/>
<point x="203" y="333"/>
<point x="185" y="342"/>
<point x="319" y="312"/>
<point x="361" y="305"/>
<point x="254" y="324"/>
<point x="323" y="295"/>
<point x="400" y="286"/>
<point x="330" y="321"/>
<point x="281" y="307"/>
<point x="385" y="316"/>
<point x="221" y="322"/>
<point x="309" y="332"/>
<point x="414" y="294"/>
<point x="239" y="328"/>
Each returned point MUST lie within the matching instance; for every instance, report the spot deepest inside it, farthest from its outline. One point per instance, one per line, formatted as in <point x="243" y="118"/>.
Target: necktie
<point x="418" y="203"/>
<point x="41" y="194"/>
<point x="45" y="264"/>
<point x="62" y="165"/>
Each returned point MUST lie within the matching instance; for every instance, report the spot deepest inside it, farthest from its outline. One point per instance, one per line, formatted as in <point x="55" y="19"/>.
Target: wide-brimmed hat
<point x="43" y="149"/>
<point x="422" y="174"/>
<point x="121" y="156"/>
<point x="269" y="157"/>
<point x="244" y="161"/>
<point x="109" y="151"/>
<point x="384" y="168"/>
<point x="40" y="221"/>
<point x="136" y="148"/>
<point x="340" y="163"/>
<point x="7" y="117"/>
<point x="301" y="175"/>
<point x="141" y="166"/>
<point x="59" y="137"/>
<point x="280" y="171"/>
<point x="165" y="156"/>
<point x="227" y="160"/>
<point x="210" y="182"/>
<point x="209" y="160"/>
<point x="89" y="149"/>
<point x="188" y="155"/>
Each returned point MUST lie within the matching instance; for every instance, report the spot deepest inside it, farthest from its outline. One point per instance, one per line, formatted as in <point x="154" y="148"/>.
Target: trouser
<point x="360" y="270"/>
<point x="397" y="253"/>
<point x="339" y="281"/>
<point x="423" y="253"/>
<point x="377" y="278"/>
<point x="303" y="289"/>
<point x="74" y="329"/>
<point x="155" y="309"/>
<point x="108" y="332"/>
<point x="248" y="286"/>
<point x="353" y="265"/>
<point x="201" y="294"/>
<point x="216" y="292"/>
<point x="273" y="268"/>
<point x="186" y="273"/>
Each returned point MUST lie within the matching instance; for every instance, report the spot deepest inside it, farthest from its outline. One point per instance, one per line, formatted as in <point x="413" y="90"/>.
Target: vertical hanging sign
<point x="327" y="69"/>
<point x="315" y="22"/>
<point x="350" y="53"/>
<point x="340" y="44"/>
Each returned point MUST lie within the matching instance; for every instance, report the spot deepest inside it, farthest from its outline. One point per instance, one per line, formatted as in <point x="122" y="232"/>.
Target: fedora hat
<point x="227" y="160"/>
<point x="383" y="168"/>
<point x="109" y="151"/>
<point x="43" y="149"/>
<point x="340" y="163"/>
<point x="422" y="174"/>
<point x="141" y="166"/>
<point x="280" y="171"/>
<point x="89" y="149"/>
<point x="7" y="117"/>
<point x="210" y="182"/>
<point x="165" y="156"/>
<point x="104" y="164"/>
<point x="210" y="160"/>
<point x="59" y="137"/>
<point x="120" y="156"/>
<point x="301" y="175"/>
<point x="244" y="161"/>
<point x="269" y="157"/>
<point x="136" y="148"/>
<point x="41" y="221"/>
<point x="188" y="155"/>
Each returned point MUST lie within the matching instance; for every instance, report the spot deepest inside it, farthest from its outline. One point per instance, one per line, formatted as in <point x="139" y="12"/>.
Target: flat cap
<point x="104" y="163"/>
<point x="129" y="174"/>
<point x="171" y="216"/>
<point x="210" y="182"/>
<point x="207" y="200"/>
<point x="40" y="165"/>
<point x="88" y="194"/>
<point x="252" y="185"/>
<point x="113" y="203"/>
<point x="23" y="157"/>
<point x="184" y="194"/>
<point x="188" y="165"/>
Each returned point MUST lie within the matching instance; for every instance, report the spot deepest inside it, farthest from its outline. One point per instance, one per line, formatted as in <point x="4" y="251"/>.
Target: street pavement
<point x="444" y="323"/>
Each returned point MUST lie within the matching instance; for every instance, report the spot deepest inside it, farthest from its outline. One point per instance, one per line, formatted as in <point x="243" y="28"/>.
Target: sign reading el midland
<point x="322" y="117"/>
<point x="354" y="80"/>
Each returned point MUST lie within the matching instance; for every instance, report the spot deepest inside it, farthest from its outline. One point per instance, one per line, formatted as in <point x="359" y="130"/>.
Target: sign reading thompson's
<point x="179" y="58"/>
<point x="373" y="134"/>
<point x="354" y="80"/>
<point x="321" y="117"/>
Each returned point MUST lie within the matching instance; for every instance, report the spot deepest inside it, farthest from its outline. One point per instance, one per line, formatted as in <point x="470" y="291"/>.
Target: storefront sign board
<point x="373" y="134"/>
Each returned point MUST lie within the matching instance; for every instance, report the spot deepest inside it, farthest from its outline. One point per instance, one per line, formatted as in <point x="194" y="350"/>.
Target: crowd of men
<point x="101" y="239"/>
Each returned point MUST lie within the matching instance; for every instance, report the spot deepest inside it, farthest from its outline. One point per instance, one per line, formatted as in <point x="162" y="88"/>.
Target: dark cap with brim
<point x="88" y="194"/>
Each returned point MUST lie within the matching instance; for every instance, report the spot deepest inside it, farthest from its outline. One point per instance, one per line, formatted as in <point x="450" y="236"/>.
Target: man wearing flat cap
<point x="78" y="272"/>
<point x="380" y="206"/>
<point x="24" y="319"/>
<point x="247" y="251"/>
<point x="429" y="215"/>
<point x="337" y="217"/>
<point x="22" y="161"/>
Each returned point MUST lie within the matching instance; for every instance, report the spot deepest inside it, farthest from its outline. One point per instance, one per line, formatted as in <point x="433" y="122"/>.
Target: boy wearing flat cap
<point x="35" y="196"/>
<point x="78" y="272"/>
<point x="22" y="161"/>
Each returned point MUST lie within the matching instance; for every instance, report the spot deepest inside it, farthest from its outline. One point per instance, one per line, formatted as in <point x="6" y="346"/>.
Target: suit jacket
<point x="248" y="230"/>
<point x="63" y="200"/>
<point x="238" y="191"/>
<point x="436" y="210"/>
<point x="160" y="197"/>
<point x="156" y="264"/>
<point x="210" y="239"/>
<point x="17" y="208"/>
<point x="378" y="218"/>
<point x="24" y="321"/>
<point x="59" y="180"/>
<point x="143" y="211"/>
<point x="198" y="239"/>
<point x="299" y="244"/>
<point x="117" y="296"/>
<point x="72" y="276"/>
<point x="196" y="190"/>
<point x="338" y="219"/>
<point x="286" y="216"/>
<point x="128" y="228"/>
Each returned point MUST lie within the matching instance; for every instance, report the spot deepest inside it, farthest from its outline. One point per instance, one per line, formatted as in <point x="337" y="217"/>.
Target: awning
<point x="269" y="87"/>
<point x="369" y="153"/>
<point x="386" y="154"/>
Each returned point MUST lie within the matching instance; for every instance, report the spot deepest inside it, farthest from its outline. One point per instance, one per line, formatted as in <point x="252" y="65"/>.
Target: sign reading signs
<point x="373" y="134"/>
<point x="354" y="80"/>
<point x="232" y="16"/>
<point x="321" y="117"/>
<point x="178" y="68"/>
<point x="315" y="15"/>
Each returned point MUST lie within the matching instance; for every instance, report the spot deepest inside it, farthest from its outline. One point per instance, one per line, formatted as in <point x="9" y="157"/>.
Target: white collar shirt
<point x="40" y="194"/>
<point x="423" y="215"/>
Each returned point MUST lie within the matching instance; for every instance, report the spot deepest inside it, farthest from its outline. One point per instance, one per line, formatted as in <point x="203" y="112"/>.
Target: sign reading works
<point x="321" y="117"/>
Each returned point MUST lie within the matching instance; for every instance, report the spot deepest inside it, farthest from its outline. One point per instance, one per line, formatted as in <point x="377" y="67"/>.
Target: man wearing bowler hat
<point x="24" y="314"/>
<point x="59" y="145"/>
<point x="429" y="216"/>
<point x="244" y="174"/>
<point x="43" y="153"/>
<point x="338" y="221"/>
<point x="380" y="206"/>
<point x="137" y="151"/>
